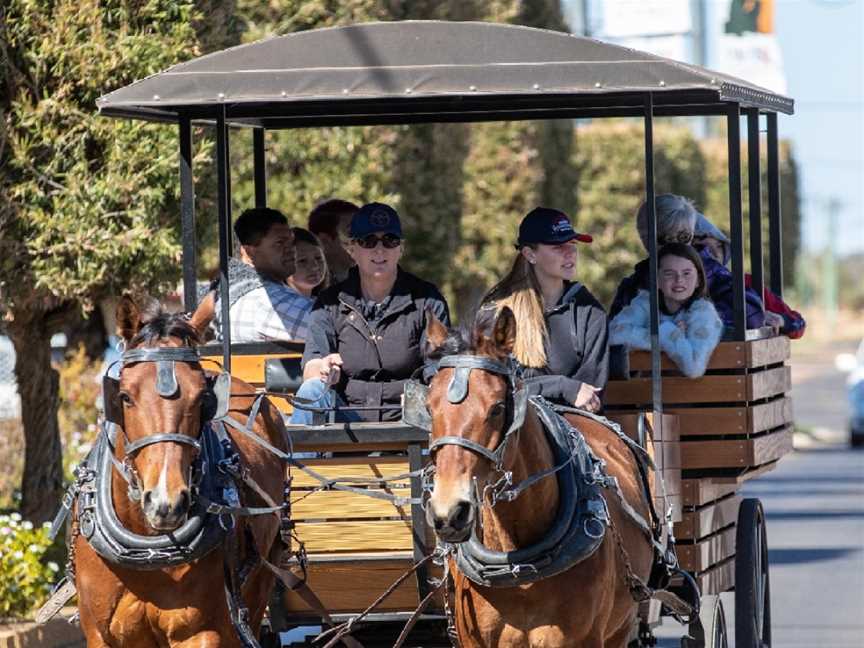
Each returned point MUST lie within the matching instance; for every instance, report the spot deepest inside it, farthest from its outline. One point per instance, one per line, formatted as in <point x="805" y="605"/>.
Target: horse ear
<point x="504" y="331"/>
<point x="128" y="317"/>
<point x="436" y="333"/>
<point x="204" y="314"/>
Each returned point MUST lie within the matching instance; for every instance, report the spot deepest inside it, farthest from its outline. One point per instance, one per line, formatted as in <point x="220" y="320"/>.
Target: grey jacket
<point x="577" y="350"/>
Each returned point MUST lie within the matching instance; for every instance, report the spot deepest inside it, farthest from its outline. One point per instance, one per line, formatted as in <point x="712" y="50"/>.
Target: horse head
<point x="472" y="405"/>
<point x="161" y="392"/>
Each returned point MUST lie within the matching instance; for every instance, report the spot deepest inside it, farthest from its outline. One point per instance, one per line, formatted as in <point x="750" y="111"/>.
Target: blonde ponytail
<point x="520" y="291"/>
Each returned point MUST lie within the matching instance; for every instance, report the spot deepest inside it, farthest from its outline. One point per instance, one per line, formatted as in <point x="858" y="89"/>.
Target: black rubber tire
<point x="712" y="633"/>
<point x="752" y="585"/>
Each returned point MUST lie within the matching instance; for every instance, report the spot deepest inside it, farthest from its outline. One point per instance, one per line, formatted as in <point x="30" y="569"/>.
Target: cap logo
<point x="379" y="218"/>
<point x="562" y="225"/>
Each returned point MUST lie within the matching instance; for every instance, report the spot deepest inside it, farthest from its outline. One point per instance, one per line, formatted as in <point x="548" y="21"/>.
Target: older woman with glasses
<point x="366" y="332"/>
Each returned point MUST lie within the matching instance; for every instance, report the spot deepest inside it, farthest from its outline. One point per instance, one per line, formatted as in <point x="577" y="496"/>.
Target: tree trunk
<point x="38" y="385"/>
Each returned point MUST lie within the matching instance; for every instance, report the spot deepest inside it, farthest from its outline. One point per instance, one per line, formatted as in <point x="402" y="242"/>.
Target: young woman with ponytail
<point x="561" y="335"/>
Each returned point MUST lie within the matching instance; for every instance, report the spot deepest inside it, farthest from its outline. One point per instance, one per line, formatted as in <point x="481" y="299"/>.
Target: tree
<point x="88" y="205"/>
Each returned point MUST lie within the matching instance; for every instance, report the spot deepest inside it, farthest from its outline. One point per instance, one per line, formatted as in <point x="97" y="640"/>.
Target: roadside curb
<point x="56" y="633"/>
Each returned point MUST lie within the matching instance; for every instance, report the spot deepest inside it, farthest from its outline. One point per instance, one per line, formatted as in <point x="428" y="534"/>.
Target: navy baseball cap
<point x="550" y="226"/>
<point x="374" y="218"/>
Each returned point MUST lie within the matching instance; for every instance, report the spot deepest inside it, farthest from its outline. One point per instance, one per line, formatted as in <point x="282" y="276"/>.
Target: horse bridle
<point x="213" y="406"/>
<point x="457" y="391"/>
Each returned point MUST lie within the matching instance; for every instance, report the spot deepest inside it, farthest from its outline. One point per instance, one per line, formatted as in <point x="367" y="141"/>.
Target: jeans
<point x="316" y="393"/>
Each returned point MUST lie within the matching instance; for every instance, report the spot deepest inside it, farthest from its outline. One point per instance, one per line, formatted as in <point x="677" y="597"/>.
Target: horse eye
<point x="125" y="398"/>
<point x="496" y="410"/>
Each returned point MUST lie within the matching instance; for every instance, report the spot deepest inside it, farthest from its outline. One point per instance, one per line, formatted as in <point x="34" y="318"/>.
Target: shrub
<point x="26" y="577"/>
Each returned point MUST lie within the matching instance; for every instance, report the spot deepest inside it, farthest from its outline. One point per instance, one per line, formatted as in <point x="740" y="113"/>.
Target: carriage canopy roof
<point x="402" y="72"/>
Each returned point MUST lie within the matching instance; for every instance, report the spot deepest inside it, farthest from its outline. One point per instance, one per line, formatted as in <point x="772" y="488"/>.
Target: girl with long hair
<point x="561" y="337"/>
<point x="689" y="325"/>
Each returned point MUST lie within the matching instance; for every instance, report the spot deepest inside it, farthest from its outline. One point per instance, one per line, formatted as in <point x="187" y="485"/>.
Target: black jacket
<point x="578" y="349"/>
<point x="377" y="358"/>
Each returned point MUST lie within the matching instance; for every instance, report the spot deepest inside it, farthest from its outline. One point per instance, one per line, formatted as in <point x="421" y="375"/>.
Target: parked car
<point x="855" y="392"/>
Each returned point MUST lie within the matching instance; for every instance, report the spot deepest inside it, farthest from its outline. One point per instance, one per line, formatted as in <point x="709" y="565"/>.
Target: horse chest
<point x="138" y="622"/>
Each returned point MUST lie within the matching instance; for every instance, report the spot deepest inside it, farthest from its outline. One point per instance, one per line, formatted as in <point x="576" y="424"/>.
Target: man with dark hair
<point x="328" y="221"/>
<point x="262" y="306"/>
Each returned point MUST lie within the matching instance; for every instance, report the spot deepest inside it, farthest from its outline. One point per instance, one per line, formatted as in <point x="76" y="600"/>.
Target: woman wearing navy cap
<point x="561" y="338"/>
<point x="366" y="332"/>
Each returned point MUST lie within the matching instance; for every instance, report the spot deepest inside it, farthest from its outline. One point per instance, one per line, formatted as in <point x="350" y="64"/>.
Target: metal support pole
<point x="754" y="190"/>
<point x="260" y="167"/>
<point x="418" y="518"/>
<point x="656" y="384"/>
<point x="736" y="221"/>
<point x="775" y="221"/>
<point x="187" y="217"/>
<point x="223" y="200"/>
<point x="227" y="131"/>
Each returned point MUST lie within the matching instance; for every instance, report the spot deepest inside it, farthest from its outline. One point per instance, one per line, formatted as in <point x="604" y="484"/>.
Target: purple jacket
<point x="719" y="280"/>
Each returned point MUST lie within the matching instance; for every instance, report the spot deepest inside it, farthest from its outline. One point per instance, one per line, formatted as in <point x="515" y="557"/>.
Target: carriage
<point x="708" y="436"/>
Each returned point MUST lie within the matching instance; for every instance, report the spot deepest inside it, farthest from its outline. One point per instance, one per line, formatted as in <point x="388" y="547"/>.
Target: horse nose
<point x="166" y="511"/>
<point x="455" y="524"/>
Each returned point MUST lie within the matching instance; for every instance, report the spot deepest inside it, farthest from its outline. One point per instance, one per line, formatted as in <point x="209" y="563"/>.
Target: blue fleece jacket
<point x="689" y="347"/>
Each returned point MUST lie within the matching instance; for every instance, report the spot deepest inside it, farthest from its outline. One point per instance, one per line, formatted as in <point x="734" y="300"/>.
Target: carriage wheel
<point x="710" y="630"/>
<point x="752" y="591"/>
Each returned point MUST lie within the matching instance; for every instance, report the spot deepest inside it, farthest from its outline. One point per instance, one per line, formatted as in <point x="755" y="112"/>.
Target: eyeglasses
<point x="371" y="242"/>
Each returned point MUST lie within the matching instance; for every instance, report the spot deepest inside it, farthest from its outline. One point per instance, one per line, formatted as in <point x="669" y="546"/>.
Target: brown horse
<point x="183" y="605"/>
<point x="590" y="605"/>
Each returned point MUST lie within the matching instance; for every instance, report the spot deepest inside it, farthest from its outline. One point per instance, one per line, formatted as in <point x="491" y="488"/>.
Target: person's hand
<point x="588" y="398"/>
<point x="331" y="370"/>
<point x="774" y="320"/>
<point x="681" y="324"/>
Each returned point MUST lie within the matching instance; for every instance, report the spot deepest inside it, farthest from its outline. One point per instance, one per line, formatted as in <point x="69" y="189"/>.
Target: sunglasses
<point x="371" y="242"/>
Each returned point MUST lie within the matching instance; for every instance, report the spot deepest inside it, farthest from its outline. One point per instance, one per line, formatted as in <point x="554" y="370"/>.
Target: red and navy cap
<point x="549" y="226"/>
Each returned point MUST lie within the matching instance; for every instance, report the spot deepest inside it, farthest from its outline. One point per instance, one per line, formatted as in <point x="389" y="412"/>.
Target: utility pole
<point x="829" y="266"/>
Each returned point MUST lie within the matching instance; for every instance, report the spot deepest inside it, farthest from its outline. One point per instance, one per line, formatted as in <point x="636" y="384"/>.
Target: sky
<point x="822" y="43"/>
<point x="821" y="47"/>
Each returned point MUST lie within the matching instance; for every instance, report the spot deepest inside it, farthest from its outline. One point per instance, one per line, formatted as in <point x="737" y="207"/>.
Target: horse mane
<point x="466" y="339"/>
<point x="158" y="325"/>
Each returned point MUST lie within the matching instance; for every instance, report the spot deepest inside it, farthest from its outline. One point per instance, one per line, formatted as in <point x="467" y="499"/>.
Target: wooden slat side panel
<point x="699" y="492"/>
<point x="767" y="416"/>
<point x="704" y="421"/>
<point x="354" y="537"/>
<point x="736" y="453"/>
<point x="767" y="351"/>
<point x="370" y="468"/>
<point x="727" y="453"/>
<point x="339" y="505"/>
<point x="695" y="525"/>
<point x="707" y="389"/>
<point x="353" y="587"/>
<point x="771" y="447"/>
<point x="727" y="355"/>
<point x="768" y="383"/>
<point x="707" y="552"/>
<point x="629" y="422"/>
<point x="718" y="579"/>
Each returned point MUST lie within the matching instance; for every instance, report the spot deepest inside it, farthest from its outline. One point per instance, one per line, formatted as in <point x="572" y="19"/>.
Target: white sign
<point x="627" y="18"/>
<point x="755" y="57"/>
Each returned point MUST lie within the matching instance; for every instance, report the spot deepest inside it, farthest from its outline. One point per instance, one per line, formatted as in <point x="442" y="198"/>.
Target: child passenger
<point x="311" y="275"/>
<point x="689" y="325"/>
